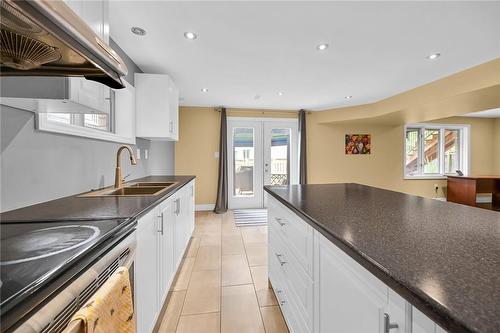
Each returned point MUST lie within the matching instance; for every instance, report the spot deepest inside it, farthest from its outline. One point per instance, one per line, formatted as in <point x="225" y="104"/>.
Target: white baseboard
<point x="204" y="207"/>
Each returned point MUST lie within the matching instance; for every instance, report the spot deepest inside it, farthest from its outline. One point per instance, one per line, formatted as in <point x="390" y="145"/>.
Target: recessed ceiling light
<point x="280" y="94"/>
<point x="138" y="31"/>
<point x="348" y="97"/>
<point x="433" y="56"/>
<point x="322" y="47"/>
<point x="190" y="35"/>
<point x="204" y="90"/>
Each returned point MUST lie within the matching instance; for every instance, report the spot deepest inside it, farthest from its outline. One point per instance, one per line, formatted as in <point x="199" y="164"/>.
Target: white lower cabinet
<point x="166" y="239"/>
<point x="162" y="237"/>
<point x="146" y="272"/>
<point x="347" y="298"/>
<point x="331" y="292"/>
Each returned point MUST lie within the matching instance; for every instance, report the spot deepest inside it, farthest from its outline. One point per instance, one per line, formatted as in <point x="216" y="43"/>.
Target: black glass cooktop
<point x="33" y="253"/>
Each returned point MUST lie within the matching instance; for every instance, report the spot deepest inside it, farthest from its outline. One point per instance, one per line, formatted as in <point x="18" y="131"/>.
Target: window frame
<point x="42" y="123"/>
<point x="464" y="143"/>
<point x="45" y="125"/>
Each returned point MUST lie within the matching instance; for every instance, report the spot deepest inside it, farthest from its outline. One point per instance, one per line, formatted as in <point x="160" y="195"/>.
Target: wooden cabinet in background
<point x="464" y="190"/>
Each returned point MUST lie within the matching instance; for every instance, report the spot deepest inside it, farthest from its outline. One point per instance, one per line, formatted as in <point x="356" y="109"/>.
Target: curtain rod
<point x="219" y="109"/>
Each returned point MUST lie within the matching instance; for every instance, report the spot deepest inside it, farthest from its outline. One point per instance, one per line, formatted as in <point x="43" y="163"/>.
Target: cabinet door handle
<point x="387" y="323"/>
<point x="279" y="220"/>
<point x="280" y="299"/>
<point x="171" y="126"/>
<point x="161" y="223"/>
<point x="279" y="259"/>
<point x="177" y="206"/>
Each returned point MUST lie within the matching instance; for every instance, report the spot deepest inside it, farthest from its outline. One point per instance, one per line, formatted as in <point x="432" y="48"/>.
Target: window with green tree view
<point x="435" y="150"/>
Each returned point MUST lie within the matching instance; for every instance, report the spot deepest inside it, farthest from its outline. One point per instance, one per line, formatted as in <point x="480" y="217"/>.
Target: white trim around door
<point x="261" y="151"/>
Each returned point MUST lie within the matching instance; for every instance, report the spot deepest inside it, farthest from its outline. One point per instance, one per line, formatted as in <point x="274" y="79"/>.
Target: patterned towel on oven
<point x="111" y="309"/>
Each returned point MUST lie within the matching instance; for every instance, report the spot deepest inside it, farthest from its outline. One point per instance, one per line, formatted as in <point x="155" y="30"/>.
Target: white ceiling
<point x="493" y="113"/>
<point x="244" y="49"/>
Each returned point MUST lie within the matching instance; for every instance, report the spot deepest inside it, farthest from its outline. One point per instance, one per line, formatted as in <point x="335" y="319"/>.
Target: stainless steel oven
<point x="54" y="316"/>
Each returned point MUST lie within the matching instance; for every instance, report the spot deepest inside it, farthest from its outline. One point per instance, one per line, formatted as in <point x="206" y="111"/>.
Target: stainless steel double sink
<point x="133" y="189"/>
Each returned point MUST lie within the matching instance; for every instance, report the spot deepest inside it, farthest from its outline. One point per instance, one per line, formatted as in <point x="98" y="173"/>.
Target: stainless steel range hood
<point x="46" y="38"/>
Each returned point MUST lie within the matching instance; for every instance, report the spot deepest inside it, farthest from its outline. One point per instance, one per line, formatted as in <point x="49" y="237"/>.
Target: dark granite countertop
<point x="98" y="208"/>
<point x="444" y="258"/>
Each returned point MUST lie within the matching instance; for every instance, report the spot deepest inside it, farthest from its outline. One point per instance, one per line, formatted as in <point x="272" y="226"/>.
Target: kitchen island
<point x="406" y="255"/>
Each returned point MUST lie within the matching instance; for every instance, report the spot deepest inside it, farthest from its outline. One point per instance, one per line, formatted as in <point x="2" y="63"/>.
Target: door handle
<point x="161" y="223"/>
<point x="278" y="256"/>
<point x="177" y="206"/>
<point x="279" y="219"/>
<point x="387" y="323"/>
<point x="278" y="296"/>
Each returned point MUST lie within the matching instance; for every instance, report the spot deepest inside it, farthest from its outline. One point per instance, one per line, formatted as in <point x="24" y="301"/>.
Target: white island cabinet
<point x="323" y="290"/>
<point x="163" y="235"/>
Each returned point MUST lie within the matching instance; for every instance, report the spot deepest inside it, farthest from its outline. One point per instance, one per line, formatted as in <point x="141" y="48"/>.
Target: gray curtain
<point x="221" y="203"/>
<point x="302" y="148"/>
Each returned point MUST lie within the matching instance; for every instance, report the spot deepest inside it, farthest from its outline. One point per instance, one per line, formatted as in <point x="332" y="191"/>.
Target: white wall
<point x="38" y="166"/>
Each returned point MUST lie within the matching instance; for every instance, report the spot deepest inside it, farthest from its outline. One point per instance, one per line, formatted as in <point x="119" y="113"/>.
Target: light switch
<point x="138" y="154"/>
<point x="216" y="154"/>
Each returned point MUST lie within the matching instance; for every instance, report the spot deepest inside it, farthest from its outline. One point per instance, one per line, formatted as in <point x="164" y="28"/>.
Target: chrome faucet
<point x="118" y="170"/>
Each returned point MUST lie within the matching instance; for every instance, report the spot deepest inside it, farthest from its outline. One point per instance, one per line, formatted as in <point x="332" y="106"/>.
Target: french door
<point x="260" y="152"/>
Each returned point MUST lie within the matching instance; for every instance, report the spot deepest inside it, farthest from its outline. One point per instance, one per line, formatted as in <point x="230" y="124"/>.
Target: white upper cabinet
<point x="82" y="91"/>
<point x="124" y="111"/>
<point x="157" y="107"/>
<point x="64" y="94"/>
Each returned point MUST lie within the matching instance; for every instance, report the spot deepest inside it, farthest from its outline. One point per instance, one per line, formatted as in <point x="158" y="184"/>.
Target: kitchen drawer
<point x="288" y="302"/>
<point x="293" y="280"/>
<point x="296" y="233"/>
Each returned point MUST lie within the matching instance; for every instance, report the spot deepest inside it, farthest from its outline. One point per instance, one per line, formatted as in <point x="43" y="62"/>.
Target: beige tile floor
<point x="222" y="283"/>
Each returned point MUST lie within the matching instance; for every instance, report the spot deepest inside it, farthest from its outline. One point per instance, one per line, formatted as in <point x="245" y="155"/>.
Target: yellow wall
<point x="496" y="150"/>
<point x="327" y="162"/>
<point x="199" y="141"/>
<point x="472" y="90"/>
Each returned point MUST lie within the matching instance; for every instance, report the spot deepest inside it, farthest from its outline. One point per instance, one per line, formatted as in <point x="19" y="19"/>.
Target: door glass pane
<point x="280" y="156"/>
<point x="411" y="161"/>
<point x="451" y="150"/>
<point x="244" y="161"/>
<point x="431" y="151"/>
